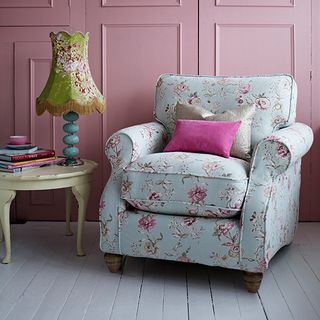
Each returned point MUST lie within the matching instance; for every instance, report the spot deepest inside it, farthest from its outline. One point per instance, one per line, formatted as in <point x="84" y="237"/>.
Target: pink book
<point x="31" y="164"/>
<point x="40" y="153"/>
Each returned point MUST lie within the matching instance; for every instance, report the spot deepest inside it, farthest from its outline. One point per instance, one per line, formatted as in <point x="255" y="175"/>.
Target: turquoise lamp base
<point x="71" y="152"/>
<point x="66" y="162"/>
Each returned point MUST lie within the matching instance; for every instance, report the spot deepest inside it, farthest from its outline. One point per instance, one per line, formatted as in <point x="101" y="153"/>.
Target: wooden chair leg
<point x="252" y="281"/>
<point x="113" y="261"/>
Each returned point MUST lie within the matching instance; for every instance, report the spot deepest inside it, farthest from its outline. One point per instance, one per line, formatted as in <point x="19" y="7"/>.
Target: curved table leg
<point x="81" y="193"/>
<point x="6" y="197"/>
<point x="68" y="211"/>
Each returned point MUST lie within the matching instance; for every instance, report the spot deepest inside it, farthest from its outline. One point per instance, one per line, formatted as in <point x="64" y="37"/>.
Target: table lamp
<point x="70" y="90"/>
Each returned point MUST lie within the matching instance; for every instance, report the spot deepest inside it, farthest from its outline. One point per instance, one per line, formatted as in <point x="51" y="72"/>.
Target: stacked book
<point x="16" y="158"/>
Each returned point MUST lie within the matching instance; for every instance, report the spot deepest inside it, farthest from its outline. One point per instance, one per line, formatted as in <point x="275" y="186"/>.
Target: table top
<point x="51" y="172"/>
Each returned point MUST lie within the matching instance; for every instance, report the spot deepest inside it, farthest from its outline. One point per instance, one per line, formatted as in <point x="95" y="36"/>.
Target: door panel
<point x="255" y="3"/>
<point x="138" y="44"/>
<point x="131" y="43"/>
<point x="261" y="37"/>
<point x="230" y="39"/>
<point x="140" y="3"/>
<point x="26" y="4"/>
<point x="121" y="73"/>
<point x="25" y="52"/>
<point x="34" y="13"/>
<point x="32" y="66"/>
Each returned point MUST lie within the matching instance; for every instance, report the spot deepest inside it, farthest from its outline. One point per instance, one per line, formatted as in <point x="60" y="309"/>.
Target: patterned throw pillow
<point x="189" y="112"/>
<point x="241" y="147"/>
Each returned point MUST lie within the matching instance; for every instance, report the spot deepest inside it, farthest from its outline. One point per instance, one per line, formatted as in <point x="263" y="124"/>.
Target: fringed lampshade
<point x="70" y="89"/>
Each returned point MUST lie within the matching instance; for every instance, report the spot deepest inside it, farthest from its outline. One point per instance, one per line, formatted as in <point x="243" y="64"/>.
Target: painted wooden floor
<point x="47" y="281"/>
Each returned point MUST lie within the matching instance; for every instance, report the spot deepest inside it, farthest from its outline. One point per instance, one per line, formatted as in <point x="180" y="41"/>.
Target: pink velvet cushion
<point x="215" y="137"/>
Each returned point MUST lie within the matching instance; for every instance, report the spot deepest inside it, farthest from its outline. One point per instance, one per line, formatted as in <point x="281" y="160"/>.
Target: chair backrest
<point x="274" y="97"/>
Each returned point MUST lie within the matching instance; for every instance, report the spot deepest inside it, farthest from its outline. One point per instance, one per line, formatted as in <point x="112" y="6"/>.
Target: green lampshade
<point x="70" y="86"/>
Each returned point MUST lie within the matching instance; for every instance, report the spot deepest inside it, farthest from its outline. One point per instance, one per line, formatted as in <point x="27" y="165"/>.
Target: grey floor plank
<point x="32" y="297"/>
<point x="21" y="281"/>
<point x="226" y="306"/>
<point x="20" y="254"/>
<point x="152" y="292"/>
<point x="250" y="305"/>
<point x="175" y="301"/>
<point x="273" y="300"/>
<point x="47" y="281"/>
<point x="68" y="273"/>
<point x="80" y="296"/>
<point x="293" y="293"/>
<point x="312" y="257"/>
<point x="199" y="293"/>
<point x="129" y="290"/>
<point x="309" y="283"/>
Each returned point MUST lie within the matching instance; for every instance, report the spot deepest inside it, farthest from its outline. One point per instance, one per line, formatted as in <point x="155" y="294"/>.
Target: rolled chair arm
<point x="130" y="143"/>
<point x="275" y="153"/>
<point x="271" y="203"/>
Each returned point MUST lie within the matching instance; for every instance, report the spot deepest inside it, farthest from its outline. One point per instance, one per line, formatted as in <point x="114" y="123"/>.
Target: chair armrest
<point x="275" y="153"/>
<point x="130" y="143"/>
<point x="271" y="205"/>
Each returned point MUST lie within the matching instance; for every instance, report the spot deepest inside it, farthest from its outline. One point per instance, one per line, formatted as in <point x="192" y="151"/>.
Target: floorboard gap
<point x="141" y="285"/>
<point x="262" y="305"/>
<point x="187" y="289"/>
<point x="115" y="296"/>
<point x="77" y="277"/>
<point x="211" y="294"/>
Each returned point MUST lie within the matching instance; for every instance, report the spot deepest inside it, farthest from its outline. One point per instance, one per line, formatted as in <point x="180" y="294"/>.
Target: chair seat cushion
<point x="183" y="183"/>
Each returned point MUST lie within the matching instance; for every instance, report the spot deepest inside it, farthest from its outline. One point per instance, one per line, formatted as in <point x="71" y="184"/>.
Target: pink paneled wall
<point x="268" y="36"/>
<point x="131" y="43"/>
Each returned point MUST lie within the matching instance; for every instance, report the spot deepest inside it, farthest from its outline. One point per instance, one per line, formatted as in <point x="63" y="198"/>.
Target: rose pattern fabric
<point x="147" y="222"/>
<point x="271" y="207"/>
<point x="182" y="239"/>
<point x="149" y="183"/>
<point x="267" y="209"/>
<point x="70" y="86"/>
<point x="197" y="195"/>
<point x="121" y="148"/>
<point x="274" y="98"/>
<point x="131" y="143"/>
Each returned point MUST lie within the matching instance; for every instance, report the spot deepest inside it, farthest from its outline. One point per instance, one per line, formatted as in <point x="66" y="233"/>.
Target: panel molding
<point x="32" y="99"/>
<point x="147" y="3"/>
<point x="34" y="4"/>
<point x="104" y="66"/>
<point x="36" y="13"/>
<point x="105" y="27"/>
<point x="254" y="3"/>
<point x="218" y="27"/>
<point x="27" y="55"/>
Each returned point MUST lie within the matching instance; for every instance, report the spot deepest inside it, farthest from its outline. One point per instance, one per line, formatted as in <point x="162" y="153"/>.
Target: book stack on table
<point x="16" y="158"/>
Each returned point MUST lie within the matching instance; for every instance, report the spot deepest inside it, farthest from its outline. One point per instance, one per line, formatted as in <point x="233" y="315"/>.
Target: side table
<point x="76" y="180"/>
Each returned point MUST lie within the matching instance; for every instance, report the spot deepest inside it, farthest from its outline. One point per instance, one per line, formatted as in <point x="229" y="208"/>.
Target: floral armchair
<point x="202" y="208"/>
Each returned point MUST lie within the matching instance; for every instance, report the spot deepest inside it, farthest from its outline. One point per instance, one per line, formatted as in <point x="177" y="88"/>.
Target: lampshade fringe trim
<point x="72" y="105"/>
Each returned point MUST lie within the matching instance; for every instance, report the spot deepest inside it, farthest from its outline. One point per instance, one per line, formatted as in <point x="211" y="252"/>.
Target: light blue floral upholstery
<point x="273" y="96"/>
<point x="271" y="207"/>
<point x="129" y="144"/>
<point x="209" y="185"/>
<point x="180" y="238"/>
<point x="203" y="208"/>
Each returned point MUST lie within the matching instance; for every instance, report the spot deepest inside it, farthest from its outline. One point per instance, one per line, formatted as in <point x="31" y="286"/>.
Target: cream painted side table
<point x="76" y="180"/>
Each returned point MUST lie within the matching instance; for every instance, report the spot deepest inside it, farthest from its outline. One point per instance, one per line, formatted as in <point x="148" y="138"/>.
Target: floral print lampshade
<point x="70" y="86"/>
